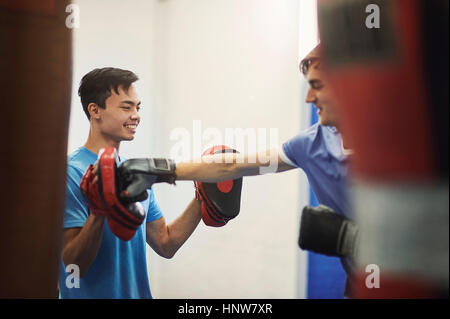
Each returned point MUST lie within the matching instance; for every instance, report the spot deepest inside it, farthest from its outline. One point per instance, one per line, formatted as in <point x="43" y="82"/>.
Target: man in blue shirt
<point x="320" y="151"/>
<point x="107" y="266"/>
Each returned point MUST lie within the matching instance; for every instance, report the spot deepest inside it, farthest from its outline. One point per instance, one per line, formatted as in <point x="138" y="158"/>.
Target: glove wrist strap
<point x="164" y="168"/>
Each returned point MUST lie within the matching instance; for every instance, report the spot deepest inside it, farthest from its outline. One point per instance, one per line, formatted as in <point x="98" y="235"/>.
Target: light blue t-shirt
<point x="120" y="268"/>
<point x="318" y="151"/>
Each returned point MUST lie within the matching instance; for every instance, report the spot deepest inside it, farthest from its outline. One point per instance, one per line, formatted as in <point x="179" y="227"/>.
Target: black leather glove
<point x="135" y="176"/>
<point x="323" y="231"/>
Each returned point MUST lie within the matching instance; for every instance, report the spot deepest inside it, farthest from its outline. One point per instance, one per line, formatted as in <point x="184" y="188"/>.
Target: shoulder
<point x="152" y="198"/>
<point x="311" y="133"/>
<point x="295" y="150"/>
<point x="78" y="161"/>
<point x="313" y="129"/>
<point x="305" y="137"/>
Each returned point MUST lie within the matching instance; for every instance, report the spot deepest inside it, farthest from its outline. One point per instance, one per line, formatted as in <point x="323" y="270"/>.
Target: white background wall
<point x="228" y="64"/>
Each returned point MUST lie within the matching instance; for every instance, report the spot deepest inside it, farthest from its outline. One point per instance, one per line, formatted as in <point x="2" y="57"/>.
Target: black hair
<point x="306" y="63"/>
<point x="96" y="86"/>
<point x="314" y="56"/>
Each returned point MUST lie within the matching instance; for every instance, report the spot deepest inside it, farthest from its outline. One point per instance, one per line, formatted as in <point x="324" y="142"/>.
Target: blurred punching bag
<point x="387" y="63"/>
<point x="35" y="82"/>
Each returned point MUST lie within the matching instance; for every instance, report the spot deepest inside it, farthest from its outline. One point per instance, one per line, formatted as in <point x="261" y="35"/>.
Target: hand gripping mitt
<point x="220" y="201"/>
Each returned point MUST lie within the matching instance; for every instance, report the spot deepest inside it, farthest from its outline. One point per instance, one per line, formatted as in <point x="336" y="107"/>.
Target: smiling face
<point x="320" y="94"/>
<point x="119" y="119"/>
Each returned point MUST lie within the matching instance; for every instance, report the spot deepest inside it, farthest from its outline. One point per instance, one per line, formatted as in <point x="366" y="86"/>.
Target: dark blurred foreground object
<point x="392" y="86"/>
<point x="35" y="82"/>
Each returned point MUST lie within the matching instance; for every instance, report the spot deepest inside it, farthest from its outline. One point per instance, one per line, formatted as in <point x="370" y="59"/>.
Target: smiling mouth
<point x="130" y="126"/>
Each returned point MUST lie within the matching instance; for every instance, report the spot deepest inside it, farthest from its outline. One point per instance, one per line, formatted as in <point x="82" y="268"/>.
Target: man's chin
<point x="325" y="122"/>
<point x="128" y="138"/>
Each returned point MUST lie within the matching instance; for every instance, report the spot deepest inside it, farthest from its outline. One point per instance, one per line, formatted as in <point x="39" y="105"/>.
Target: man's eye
<point x="138" y="108"/>
<point x="125" y="107"/>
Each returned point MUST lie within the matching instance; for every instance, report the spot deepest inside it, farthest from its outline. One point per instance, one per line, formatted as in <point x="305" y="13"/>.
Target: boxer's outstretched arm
<point x="225" y="166"/>
<point x="138" y="175"/>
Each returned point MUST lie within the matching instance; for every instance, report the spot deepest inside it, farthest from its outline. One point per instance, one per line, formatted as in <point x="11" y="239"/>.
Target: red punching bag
<point x="387" y="63"/>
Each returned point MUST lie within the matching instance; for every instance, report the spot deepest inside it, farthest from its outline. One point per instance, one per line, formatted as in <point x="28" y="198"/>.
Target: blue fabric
<point x="318" y="152"/>
<point x="120" y="268"/>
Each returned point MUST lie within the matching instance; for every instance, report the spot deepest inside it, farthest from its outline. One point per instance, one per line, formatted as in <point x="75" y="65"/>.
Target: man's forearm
<point x="221" y="167"/>
<point x="140" y="174"/>
<point x="206" y="172"/>
<point x="182" y="227"/>
<point x="83" y="248"/>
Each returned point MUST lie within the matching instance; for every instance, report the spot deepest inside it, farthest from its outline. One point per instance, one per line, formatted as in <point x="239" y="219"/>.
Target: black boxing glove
<point x="135" y="176"/>
<point x="323" y="231"/>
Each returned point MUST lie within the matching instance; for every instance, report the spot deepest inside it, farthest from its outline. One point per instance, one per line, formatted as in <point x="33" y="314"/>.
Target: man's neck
<point x="95" y="142"/>
<point x="346" y="148"/>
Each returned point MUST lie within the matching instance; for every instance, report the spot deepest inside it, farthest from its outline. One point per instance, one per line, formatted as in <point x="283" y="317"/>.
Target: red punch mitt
<point x="221" y="201"/>
<point x="123" y="218"/>
<point x="91" y="193"/>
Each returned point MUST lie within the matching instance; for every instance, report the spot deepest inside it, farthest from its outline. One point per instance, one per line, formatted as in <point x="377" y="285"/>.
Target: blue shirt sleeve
<point x="76" y="211"/>
<point x="296" y="149"/>
<point x="153" y="212"/>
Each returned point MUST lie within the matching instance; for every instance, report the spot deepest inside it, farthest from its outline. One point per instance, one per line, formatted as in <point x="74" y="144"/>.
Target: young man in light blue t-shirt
<point x="108" y="266"/>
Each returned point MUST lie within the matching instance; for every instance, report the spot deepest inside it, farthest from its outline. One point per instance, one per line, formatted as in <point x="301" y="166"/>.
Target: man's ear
<point x="94" y="110"/>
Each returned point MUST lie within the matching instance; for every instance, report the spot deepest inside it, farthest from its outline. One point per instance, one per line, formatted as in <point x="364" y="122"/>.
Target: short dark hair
<point x="312" y="57"/>
<point x="96" y="86"/>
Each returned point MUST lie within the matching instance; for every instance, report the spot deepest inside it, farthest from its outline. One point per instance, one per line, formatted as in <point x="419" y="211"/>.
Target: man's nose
<point x="136" y="116"/>
<point x="310" y="96"/>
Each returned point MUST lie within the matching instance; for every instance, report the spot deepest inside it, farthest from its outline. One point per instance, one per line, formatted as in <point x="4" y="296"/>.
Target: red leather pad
<point x="122" y="220"/>
<point x="221" y="201"/>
